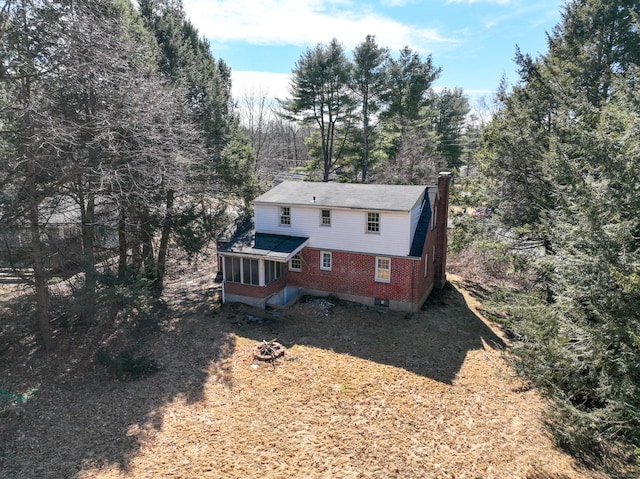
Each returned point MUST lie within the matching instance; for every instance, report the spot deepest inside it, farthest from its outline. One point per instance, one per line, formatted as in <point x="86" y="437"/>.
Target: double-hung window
<point x="325" y="217"/>
<point x="383" y="269"/>
<point x="295" y="263"/>
<point x="373" y="222"/>
<point x="325" y="260"/>
<point x="285" y="216"/>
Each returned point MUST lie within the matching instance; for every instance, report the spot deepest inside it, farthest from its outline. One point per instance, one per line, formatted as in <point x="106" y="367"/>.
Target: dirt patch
<point x="360" y="392"/>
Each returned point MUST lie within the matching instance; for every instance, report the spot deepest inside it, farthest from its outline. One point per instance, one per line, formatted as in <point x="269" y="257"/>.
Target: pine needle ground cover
<point x="358" y="393"/>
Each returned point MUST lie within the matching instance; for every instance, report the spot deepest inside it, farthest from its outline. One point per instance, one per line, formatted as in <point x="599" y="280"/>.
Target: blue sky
<point x="473" y="41"/>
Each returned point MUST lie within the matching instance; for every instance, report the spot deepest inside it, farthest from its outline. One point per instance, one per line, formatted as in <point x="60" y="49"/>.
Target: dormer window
<point x="285" y="216"/>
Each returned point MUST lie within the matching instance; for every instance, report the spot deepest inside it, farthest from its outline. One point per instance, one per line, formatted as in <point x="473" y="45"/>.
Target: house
<point x="379" y="245"/>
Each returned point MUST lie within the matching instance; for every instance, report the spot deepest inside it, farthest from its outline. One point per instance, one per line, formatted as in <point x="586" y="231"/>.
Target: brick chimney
<point x="442" y="215"/>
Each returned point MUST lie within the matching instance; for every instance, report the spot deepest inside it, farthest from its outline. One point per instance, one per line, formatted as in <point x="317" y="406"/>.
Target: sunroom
<point x="254" y="266"/>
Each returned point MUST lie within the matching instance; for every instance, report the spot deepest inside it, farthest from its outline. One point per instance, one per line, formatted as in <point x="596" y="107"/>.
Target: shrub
<point x="126" y="366"/>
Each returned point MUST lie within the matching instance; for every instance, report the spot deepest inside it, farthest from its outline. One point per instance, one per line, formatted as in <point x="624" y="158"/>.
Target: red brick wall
<point x="253" y="291"/>
<point x="354" y="274"/>
<point x="423" y="284"/>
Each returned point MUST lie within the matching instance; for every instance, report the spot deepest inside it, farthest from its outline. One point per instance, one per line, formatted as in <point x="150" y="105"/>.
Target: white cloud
<point x="304" y="23"/>
<point x="393" y="3"/>
<point x="492" y="2"/>
<point x="252" y="83"/>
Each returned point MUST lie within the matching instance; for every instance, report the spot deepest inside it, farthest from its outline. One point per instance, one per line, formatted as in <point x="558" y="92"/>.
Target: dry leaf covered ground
<point x="359" y="393"/>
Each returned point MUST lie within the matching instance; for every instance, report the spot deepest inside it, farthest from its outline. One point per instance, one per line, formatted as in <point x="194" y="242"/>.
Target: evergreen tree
<point x="450" y="108"/>
<point x="563" y="155"/>
<point x="30" y="160"/>
<point x="368" y="83"/>
<point x="408" y="137"/>
<point x="187" y="60"/>
<point x="88" y="118"/>
<point x="320" y="96"/>
<point x="409" y="79"/>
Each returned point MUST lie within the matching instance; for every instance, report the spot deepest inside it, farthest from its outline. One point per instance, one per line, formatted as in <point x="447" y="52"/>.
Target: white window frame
<point x="244" y="266"/>
<point x="434" y="219"/>
<point x="325" y="220"/>
<point x="322" y="256"/>
<point x="426" y="265"/>
<point x="285" y="216"/>
<point x="381" y="279"/>
<point x="298" y="259"/>
<point x="371" y="222"/>
<point x="273" y="270"/>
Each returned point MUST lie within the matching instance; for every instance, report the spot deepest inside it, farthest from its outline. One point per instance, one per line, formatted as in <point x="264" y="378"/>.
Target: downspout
<point x="224" y="275"/>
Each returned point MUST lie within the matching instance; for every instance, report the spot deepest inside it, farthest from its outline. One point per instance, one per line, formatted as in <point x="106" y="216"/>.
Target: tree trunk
<point x="122" y="244"/>
<point x="146" y="235"/>
<point x="88" y="250"/>
<point x="365" y="144"/>
<point x="39" y="272"/>
<point x="167" y="226"/>
<point x="136" y="249"/>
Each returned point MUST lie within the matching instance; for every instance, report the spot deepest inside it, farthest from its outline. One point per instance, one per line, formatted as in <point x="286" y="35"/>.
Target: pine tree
<point x="368" y="83"/>
<point x="320" y="96"/>
<point x="563" y="155"/>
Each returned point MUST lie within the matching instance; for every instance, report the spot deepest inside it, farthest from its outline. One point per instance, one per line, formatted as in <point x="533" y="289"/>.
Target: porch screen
<point x="272" y="271"/>
<point x="250" y="271"/>
<point x="241" y="270"/>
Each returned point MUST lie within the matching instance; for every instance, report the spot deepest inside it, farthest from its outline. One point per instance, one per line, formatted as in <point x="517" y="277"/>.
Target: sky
<point x="473" y="41"/>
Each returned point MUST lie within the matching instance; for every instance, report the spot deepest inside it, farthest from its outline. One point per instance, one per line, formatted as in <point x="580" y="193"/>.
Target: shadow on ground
<point x="77" y="417"/>
<point x="432" y="343"/>
<point x="67" y="414"/>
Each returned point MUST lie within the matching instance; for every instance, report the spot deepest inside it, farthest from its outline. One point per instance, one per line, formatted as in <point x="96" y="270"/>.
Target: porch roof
<point x="266" y="246"/>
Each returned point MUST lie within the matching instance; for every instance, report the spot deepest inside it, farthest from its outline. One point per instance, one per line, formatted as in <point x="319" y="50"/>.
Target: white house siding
<point x="347" y="231"/>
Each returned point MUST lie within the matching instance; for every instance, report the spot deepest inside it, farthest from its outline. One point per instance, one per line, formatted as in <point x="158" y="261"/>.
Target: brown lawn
<point x="359" y="393"/>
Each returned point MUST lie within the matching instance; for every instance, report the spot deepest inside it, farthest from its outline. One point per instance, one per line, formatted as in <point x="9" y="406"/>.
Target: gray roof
<point x="345" y="195"/>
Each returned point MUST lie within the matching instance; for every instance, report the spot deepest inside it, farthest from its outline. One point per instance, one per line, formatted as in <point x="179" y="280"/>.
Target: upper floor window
<point x="285" y="215"/>
<point x="295" y="263"/>
<point x="373" y="222"/>
<point x="325" y="217"/>
<point x="383" y="269"/>
<point x="325" y="260"/>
